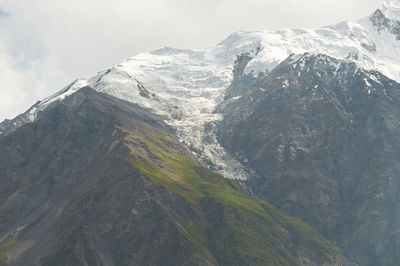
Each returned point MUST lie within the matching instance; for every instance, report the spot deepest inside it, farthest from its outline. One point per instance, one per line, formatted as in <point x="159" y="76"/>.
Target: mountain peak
<point x="135" y="187"/>
<point x="391" y="9"/>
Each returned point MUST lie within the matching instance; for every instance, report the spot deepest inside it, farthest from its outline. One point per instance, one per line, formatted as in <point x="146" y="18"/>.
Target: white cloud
<point x="20" y="86"/>
<point x="16" y="87"/>
<point x="46" y="44"/>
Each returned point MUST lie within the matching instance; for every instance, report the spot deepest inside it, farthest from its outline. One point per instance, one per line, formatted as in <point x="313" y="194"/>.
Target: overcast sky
<point x="45" y="44"/>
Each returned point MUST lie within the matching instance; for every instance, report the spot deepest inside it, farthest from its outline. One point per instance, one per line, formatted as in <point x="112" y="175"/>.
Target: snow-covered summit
<point x="186" y="86"/>
<point x="372" y="42"/>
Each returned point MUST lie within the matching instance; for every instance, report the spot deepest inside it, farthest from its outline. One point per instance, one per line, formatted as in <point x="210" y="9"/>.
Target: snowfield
<point x="186" y="86"/>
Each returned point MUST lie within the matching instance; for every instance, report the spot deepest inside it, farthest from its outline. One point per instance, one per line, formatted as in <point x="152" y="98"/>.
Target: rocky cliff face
<point x="381" y="23"/>
<point x="324" y="136"/>
<point x="241" y="81"/>
<point x="99" y="181"/>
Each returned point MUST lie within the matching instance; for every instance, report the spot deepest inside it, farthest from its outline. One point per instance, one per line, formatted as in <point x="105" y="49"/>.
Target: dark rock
<point x="324" y="136"/>
<point x="98" y="181"/>
<point x="381" y="22"/>
<point x="241" y="81"/>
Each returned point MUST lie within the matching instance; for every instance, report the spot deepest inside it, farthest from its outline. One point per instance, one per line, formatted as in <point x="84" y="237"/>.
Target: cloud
<point x="21" y="86"/>
<point x="46" y="44"/>
<point x="14" y="85"/>
<point x="4" y="13"/>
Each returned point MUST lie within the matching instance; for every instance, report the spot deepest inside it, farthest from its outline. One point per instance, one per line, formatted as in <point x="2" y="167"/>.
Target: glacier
<point x="186" y="86"/>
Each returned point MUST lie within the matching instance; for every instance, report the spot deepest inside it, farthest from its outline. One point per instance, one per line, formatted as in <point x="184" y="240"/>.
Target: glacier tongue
<point x="190" y="84"/>
<point x="186" y="86"/>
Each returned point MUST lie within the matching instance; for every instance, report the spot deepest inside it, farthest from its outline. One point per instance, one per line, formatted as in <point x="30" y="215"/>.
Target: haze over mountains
<point x="307" y="119"/>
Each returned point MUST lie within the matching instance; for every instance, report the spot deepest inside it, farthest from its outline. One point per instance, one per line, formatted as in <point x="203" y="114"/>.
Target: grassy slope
<point x="254" y="232"/>
<point x="5" y="248"/>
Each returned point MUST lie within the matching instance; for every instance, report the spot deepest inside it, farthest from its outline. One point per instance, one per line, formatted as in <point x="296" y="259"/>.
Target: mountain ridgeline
<point x="99" y="181"/>
<point x="117" y="169"/>
<point x="323" y="136"/>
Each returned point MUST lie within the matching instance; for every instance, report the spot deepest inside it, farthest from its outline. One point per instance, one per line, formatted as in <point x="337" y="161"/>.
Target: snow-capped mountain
<point x="322" y="135"/>
<point x="186" y="86"/>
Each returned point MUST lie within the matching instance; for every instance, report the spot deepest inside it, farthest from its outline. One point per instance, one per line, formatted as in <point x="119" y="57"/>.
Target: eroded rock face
<point x="241" y="81"/>
<point x="98" y="181"/>
<point x="324" y="136"/>
<point x="381" y="22"/>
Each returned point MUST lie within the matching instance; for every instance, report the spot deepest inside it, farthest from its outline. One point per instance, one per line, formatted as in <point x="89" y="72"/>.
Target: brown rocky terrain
<point x="98" y="181"/>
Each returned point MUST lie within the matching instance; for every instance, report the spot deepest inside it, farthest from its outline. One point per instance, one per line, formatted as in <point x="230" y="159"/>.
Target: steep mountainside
<point x="324" y="138"/>
<point x="316" y="136"/>
<point x="187" y="85"/>
<point x="98" y="181"/>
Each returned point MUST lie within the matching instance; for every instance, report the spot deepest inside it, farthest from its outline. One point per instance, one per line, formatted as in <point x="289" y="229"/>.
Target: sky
<point x="45" y="45"/>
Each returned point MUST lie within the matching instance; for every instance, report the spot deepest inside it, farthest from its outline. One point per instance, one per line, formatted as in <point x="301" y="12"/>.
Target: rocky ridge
<point x="322" y="135"/>
<point x="99" y="181"/>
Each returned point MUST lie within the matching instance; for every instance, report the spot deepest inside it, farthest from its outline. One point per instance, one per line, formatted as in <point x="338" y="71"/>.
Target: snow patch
<point x="367" y="82"/>
<point x="391" y="9"/>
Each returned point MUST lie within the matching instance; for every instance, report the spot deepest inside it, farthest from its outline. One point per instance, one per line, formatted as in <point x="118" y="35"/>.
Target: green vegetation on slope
<point x="6" y="246"/>
<point x="253" y="232"/>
